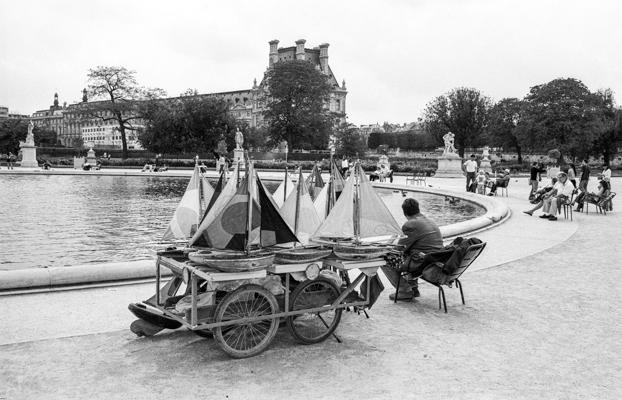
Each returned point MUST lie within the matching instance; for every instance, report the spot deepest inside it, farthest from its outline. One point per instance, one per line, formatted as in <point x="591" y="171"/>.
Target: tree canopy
<point x="189" y="123"/>
<point x="296" y="105"/>
<point x="350" y="141"/>
<point x="463" y="111"/>
<point x="561" y="114"/>
<point x="115" y="95"/>
<point x="503" y="125"/>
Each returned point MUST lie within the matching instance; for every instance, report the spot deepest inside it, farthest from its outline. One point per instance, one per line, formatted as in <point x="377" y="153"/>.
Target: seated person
<point x="148" y="167"/>
<point x="500" y="182"/>
<point x="422" y="236"/>
<point x="561" y="192"/>
<point x="163" y="168"/>
<point x="86" y="166"/>
<point x="380" y="173"/>
<point x="480" y="179"/>
<point x="46" y="165"/>
<point x="593" y="197"/>
<point x="539" y="195"/>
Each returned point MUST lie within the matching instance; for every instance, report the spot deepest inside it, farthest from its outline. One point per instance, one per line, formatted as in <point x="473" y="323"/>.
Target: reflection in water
<point x="57" y="220"/>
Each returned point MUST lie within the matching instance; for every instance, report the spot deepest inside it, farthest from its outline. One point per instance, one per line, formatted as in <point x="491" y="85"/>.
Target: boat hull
<point x="360" y="252"/>
<point x="296" y="256"/>
<point x="232" y="261"/>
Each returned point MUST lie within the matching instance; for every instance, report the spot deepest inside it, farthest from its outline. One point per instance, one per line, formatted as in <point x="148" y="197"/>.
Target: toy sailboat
<point x="359" y="225"/>
<point x="238" y="233"/>
<point x="190" y="210"/>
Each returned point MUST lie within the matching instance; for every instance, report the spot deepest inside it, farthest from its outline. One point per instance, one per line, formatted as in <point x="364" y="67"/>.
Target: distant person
<point x="572" y="175"/>
<point x="560" y="193"/>
<point x="603" y="190"/>
<point x="606" y="174"/>
<point x="10" y="160"/>
<point x="345" y="165"/>
<point x="534" y="177"/>
<point x="481" y="182"/>
<point x="470" y="167"/>
<point x="585" y="176"/>
<point x="539" y="197"/>
<point x="503" y="181"/>
<point x="422" y="236"/>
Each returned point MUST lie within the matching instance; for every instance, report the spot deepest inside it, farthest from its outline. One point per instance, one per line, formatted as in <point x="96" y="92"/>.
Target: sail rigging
<point x="283" y="191"/>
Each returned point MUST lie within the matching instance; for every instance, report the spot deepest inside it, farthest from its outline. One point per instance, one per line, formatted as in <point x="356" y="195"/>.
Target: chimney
<point x="274" y="53"/>
<point x="300" y="49"/>
<point x="324" y="57"/>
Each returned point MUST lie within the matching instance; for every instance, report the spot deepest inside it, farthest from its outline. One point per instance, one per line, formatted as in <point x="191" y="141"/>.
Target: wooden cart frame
<point x="253" y="313"/>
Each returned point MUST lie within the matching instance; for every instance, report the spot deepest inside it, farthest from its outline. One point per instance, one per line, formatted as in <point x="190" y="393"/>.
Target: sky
<point x="395" y="55"/>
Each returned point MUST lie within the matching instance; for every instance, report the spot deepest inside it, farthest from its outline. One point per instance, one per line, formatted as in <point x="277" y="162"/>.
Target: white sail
<point x="308" y="221"/>
<point x="339" y="224"/>
<point x="227" y="193"/>
<point x="375" y="218"/>
<point x="281" y="193"/>
<point x="188" y="213"/>
<point x="320" y="203"/>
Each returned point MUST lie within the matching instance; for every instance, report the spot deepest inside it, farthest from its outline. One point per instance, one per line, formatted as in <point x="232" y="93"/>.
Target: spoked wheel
<point x="314" y="327"/>
<point x="248" y="338"/>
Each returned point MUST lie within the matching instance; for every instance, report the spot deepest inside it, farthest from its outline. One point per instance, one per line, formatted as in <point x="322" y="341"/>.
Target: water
<point x="64" y="220"/>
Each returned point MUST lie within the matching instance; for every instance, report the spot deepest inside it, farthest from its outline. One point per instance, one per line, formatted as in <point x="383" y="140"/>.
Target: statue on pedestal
<point x="450" y="149"/>
<point x="485" y="152"/>
<point x="30" y="138"/>
<point x="239" y="139"/>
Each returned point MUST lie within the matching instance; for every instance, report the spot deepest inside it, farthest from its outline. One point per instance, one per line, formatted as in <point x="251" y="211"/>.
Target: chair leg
<point x="442" y="293"/>
<point x="459" y="284"/>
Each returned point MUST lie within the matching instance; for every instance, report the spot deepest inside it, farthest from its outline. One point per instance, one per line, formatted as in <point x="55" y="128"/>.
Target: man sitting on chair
<point x="422" y="236"/>
<point x="500" y="182"/>
<point x="561" y="192"/>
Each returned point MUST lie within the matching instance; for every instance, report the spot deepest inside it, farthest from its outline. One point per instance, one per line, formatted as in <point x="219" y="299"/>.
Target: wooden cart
<point x="242" y="314"/>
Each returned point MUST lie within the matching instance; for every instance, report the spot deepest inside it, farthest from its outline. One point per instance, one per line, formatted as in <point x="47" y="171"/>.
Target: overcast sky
<point x="395" y="56"/>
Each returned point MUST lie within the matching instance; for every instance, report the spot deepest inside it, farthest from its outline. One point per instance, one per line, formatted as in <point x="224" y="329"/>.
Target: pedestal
<point x="238" y="157"/>
<point x="449" y="167"/>
<point x="90" y="157"/>
<point x="485" y="165"/>
<point x="29" y="156"/>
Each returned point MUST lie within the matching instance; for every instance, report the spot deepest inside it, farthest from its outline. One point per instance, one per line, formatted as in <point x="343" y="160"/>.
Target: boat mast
<point x="357" y="203"/>
<point x="249" y="209"/>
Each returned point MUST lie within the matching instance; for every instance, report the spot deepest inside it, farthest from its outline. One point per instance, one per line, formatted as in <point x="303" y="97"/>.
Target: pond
<point x="64" y="220"/>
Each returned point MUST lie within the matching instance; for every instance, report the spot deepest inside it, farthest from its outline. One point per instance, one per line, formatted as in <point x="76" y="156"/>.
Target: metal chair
<point x="566" y="206"/>
<point x="471" y="253"/>
<point x="603" y="205"/>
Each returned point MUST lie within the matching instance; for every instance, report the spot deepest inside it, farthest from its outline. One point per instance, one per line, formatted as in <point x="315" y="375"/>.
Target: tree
<point x="503" y="125"/>
<point x="561" y="114"/>
<point x="350" y="141"/>
<point x="296" y="109"/>
<point x="189" y="123"/>
<point x="116" y="96"/>
<point x="610" y="121"/>
<point x="374" y="140"/>
<point x="463" y="111"/>
<point x="44" y="136"/>
<point x="11" y="132"/>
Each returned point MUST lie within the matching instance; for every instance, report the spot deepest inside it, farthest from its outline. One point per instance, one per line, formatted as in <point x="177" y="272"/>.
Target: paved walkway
<point x="541" y="321"/>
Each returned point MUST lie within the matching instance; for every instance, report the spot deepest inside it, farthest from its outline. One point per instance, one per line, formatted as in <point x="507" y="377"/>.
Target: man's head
<point x="584" y="162"/>
<point x="562" y="177"/>
<point x="472" y="156"/>
<point x="410" y="207"/>
<point x="506" y="171"/>
<point x="535" y="163"/>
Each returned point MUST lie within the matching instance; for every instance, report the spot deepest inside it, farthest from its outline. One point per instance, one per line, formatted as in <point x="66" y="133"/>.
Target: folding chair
<point x="566" y="206"/>
<point x="471" y="253"/>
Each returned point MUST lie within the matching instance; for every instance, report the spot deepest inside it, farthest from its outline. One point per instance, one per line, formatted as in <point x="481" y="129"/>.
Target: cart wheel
<point x="250" y="338"/>
<point x="314" y="327"/>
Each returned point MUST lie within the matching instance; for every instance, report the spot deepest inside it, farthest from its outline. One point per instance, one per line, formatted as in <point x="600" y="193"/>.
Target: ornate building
<point x="245" y="105"/>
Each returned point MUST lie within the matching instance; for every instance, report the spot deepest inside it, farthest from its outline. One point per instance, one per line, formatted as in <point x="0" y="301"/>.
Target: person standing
<point x="470" y="167"/>
<point x="422" y="236"/>
<point x="534" y="178"/>
<point x="10" y="160"/>
<point x="606" y="174"/>
<point x="585" y="176"/>
<point x="572" y="175"/>
<point x="345" y="165"/>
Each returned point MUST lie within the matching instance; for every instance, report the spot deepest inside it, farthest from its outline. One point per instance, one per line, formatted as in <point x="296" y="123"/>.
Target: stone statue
<point x="239" y="139"/>
<point x="485" y="152"/>
<point x="30" y="138"/>
<point x="449" y="144"/>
